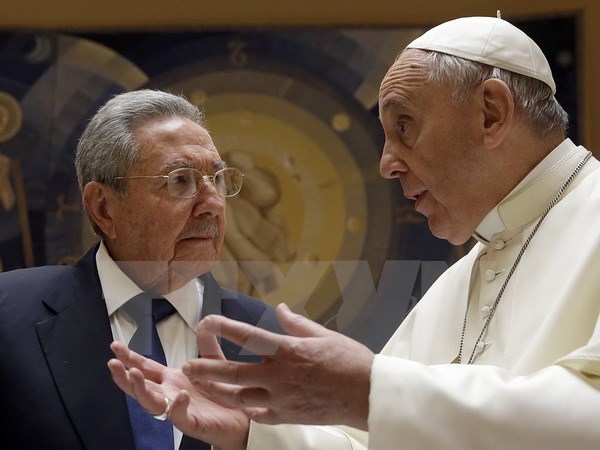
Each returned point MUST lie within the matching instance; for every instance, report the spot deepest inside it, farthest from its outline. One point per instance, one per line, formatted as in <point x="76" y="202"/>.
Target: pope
<point x="503" y="351"/>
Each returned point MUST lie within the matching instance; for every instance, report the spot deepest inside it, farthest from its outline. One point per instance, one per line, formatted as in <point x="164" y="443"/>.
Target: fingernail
<point x="186" y="369"/>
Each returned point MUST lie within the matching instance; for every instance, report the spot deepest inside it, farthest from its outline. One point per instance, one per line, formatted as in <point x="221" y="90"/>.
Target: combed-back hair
<point x="108" y="148"/>
<point x="533" y="98"/>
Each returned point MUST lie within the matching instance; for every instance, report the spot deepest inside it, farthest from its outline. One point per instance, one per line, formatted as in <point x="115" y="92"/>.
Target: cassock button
<point x="485" y="311"/>
<point x="498" y="244"/>
<point x="490" y="274"/>
<point x="482" y="346"/>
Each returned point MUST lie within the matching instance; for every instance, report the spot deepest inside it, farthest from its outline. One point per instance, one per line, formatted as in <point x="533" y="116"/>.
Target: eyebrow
<point x="217" y="164"/>
<point x="391" y="103"/>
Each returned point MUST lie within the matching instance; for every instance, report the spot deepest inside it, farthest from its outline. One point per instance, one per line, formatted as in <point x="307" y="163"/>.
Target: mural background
<point x="296" y="109"/>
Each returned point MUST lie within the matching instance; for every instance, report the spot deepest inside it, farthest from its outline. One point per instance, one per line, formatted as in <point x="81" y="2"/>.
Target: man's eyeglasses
<point x="187" y="182"/>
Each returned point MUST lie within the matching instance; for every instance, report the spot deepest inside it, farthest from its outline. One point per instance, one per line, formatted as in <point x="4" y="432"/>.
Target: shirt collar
<point x="118" y="288"/>
<point x="494" y="223"/>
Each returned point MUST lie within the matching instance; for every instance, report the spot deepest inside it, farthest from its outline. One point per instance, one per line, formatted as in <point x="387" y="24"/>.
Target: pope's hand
<point x="312" y="376"/>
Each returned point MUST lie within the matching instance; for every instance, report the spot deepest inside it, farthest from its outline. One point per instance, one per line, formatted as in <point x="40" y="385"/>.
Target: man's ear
<point x="98" y="200"/>
<point x="498" y="111"/>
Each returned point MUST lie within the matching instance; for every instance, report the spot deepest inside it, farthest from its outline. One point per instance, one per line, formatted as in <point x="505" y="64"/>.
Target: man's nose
<point x="208" y="200"/>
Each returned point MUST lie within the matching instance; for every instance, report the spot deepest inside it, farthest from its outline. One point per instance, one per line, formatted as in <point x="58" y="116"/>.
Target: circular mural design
<point x="315" y="225"/>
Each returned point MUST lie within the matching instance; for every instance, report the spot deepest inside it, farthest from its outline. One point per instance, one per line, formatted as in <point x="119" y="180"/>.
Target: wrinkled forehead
<point x="410" y="71"/>
<point x="178" y="139"/>
<point x="411" y="65"/>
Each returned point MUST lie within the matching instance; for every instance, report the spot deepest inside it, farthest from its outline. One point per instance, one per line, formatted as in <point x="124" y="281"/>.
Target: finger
<point x="179" y="415"/>
<point x="261" y="415"/>
<point x="151" y="369"/>
<point x="208" y="345"/>
<point x="237" y="396"/>
<point x="133" y="383"/>
<point x="297" y="325"/>
<point x="119" y="374"/>
<point x="202" y="371"/>
<point x="256" y="340"/>
<point x="152" y="400"/>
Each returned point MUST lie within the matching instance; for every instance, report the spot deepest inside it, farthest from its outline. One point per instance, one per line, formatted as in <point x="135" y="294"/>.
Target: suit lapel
<point x="187" y="443"/>
<point x="212" y="295"/>
<point x="76" y="344"/>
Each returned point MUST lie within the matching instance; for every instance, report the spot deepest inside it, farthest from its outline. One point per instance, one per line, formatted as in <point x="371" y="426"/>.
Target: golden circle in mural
<point x="308" y="199"/>
<point x="355" y="224"/>
<point x="11" y="117"/>
<point x="341" y="122"/>
<point x="297" y="198"/>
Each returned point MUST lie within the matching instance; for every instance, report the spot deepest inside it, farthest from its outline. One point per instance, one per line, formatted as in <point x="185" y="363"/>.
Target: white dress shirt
<point x="177" y="332"/>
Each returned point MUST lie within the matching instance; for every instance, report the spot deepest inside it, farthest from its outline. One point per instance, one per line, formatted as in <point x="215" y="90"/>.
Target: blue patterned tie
<point x="148" y="433"/>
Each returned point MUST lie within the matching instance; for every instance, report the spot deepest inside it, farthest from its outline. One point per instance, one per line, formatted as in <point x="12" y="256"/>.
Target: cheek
<point x="440" y="161"/>
<point x="159" y="228"/>
<point x="220" y="238"/>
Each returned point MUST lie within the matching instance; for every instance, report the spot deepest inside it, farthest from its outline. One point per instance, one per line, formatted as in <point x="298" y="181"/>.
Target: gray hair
<point x="533" y="98"/>
<point x="108" y="148"/>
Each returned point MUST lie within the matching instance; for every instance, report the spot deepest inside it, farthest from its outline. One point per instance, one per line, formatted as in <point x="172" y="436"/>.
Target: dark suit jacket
<point x="55" y="387"/>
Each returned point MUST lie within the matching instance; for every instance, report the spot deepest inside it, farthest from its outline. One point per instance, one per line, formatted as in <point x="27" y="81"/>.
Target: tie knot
<point x="161" y="308"/>
<point x="145" y="305"/>
<point x="147" y="312"/>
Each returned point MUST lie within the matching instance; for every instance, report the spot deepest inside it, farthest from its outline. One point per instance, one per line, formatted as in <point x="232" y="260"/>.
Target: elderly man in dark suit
<point x="154" y="187"/>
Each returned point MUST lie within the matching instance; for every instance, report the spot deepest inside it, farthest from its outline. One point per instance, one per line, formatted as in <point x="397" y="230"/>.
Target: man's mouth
<point x="204" y="231"/>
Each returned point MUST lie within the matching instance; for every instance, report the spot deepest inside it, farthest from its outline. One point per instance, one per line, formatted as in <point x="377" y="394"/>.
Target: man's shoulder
<point x="22" y="292"/>
<point x="46" y="274"/>
<point x="23" y="289"/>
<point x="31" y="276"/>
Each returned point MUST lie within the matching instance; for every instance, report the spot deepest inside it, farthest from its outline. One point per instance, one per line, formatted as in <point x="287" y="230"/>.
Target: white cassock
<point x="535" y="381"/>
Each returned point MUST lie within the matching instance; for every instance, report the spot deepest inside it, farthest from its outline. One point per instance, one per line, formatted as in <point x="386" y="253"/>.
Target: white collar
<point x="492" y="223"/>
<point x="118" y="288"/>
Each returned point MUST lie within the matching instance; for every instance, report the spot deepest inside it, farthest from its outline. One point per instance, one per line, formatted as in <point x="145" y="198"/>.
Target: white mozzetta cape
<point x="535" y="382"/>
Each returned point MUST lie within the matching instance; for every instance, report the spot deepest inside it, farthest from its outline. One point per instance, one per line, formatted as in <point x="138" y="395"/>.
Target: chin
<point x="458" y="240"/>
<point x="455" y="237"/>
<point x="189" y="269"/>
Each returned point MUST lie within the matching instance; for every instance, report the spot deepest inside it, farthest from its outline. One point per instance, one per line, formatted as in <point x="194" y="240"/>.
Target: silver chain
<point x="516" y="263"/>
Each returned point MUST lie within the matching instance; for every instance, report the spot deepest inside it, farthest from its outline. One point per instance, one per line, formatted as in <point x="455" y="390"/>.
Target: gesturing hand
<point x="192" y="411"/>
<point x="312" y="376"/>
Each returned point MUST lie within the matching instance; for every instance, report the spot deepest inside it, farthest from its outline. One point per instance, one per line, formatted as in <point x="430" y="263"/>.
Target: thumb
<point x="297" y="325"/>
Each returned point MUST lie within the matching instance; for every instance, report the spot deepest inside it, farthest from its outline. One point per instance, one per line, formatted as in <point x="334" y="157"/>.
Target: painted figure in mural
<point x="154" y="187"/>
<point x="504" y="350"/>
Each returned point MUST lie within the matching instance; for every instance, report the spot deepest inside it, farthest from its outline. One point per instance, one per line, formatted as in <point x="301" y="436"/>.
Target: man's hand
<point x="312" y="376"/>
<point x="192" y="411"/>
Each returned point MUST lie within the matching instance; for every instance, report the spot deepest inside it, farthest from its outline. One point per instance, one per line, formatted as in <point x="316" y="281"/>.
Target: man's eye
<point x="178" y="179"/>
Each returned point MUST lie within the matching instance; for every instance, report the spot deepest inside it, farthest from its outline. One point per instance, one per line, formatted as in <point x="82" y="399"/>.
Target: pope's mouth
<point x="418" y="198"/>
<point x="414" y="195"/>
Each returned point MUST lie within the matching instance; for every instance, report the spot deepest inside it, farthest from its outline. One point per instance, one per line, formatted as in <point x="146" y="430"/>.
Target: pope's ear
<point x="498" y="111"/>
<point x="98" y="200"/>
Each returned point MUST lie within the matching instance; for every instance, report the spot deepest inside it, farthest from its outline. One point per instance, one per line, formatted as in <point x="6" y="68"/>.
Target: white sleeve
<point x="462" y="407"/>
<point x="305" y="437"/>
